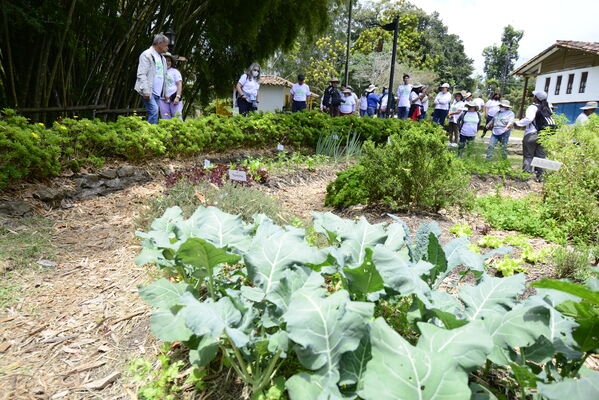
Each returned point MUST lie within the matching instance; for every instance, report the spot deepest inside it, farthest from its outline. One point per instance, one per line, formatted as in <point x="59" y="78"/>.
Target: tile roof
<point x="588" y="47"/>
<point x="274" y="80"/>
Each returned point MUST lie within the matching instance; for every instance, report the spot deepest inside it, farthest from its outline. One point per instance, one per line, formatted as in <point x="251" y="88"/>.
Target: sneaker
<point x="453" y="144"/>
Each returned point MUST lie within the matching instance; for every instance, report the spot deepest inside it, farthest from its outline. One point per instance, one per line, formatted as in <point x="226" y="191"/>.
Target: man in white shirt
<point x="301" y="93"/>
<point x="491" y="108"/>
<point x="530" y="146"/>
<point x="151" y="76"/>
<point x="403" y="98"/>
<point x="587" y="110"/>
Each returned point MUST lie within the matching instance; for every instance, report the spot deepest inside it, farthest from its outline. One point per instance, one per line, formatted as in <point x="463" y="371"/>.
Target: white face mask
<point x="255" y="73"/>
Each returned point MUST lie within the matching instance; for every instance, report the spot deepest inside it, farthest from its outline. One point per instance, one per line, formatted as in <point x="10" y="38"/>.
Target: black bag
<point x="543" y="119"/>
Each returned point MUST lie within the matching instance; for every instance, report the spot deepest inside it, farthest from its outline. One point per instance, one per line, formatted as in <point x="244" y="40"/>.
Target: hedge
<point x="29" y="150"/>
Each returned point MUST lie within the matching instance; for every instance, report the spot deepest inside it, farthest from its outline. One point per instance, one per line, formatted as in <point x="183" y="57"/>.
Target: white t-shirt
<point x="492" y="107"/>
<point x="425" y="103"/>
<point x="470" y="126"/>
<point x="456" y="106"/>
<point x="363" y="103"/>
<point x="159" y="75"/>
<point x="581" y="119"/>
<point x="249" y="86"/>
<point x="300" y="92"/>
<point x="415" y="98"/>
<point x="384" y="101"/>
<point x="442" y="101"/>
<point x="348" y="104"/>
<point x="403" y="94"/>
<point x="501" y="120"/>
<point x="172" y="77"/>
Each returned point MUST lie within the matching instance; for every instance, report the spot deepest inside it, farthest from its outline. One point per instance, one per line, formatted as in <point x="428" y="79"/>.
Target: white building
<point x="568" y="71"/>
<point x="273" y="93"/>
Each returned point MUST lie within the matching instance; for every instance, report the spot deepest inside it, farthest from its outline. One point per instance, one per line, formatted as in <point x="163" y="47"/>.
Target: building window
<point x="570" y="83"/>
<point x="558" y="84"/>
<point x="583" y="82"/>
<point x="547" y="83"/>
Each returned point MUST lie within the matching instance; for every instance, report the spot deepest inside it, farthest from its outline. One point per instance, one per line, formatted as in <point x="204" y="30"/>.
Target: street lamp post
<point x="348" y="45"/>
<point x="393" y="26"/>
<point x="171" y="35"/>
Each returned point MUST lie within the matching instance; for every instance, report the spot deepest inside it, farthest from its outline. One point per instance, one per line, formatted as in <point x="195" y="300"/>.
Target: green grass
<point x="22" y="243"/>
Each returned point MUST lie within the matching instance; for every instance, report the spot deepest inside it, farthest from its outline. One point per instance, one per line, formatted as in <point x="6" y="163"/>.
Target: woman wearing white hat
<point x="468" y="124"/>
<point x="537" y="117"/>
<point x="441" y="102"/>
<point x="587" y="110"/>
<point x="501" y="127"/>
<point x="348" y="104"/>
<point x="372" y="101"/>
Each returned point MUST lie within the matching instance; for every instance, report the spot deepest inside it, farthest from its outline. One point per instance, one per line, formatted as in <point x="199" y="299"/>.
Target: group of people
<point x="159" y="83"/>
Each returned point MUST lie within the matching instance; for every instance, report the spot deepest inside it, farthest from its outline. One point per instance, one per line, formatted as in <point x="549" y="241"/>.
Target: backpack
<point x="461" y="120"/>
<point x="543" y="118"/>
<point x="332" y="97"/>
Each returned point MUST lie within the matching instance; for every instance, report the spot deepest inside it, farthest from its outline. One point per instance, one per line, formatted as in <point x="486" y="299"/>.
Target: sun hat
<point x="467" y="94"/>
<point x="169" y="55"/>
<point x="539" y="94"/>
<point x="590" y="105"/>
<point x="445" y="85"/>
<point x="505" y="103"/>
<point x="371" y="88"/>
<point x="418" y="86"/>
<point x="347" y="91"/>
<point x="471" y="104"/>
<point x="334" y="80"/>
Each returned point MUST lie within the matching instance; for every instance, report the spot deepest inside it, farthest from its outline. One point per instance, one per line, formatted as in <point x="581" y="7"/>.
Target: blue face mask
<point x="255" y="73"/>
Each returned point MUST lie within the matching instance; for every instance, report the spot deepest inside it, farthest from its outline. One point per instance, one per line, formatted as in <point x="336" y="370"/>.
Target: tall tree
<point x="81" y="52"/>
<point x="500" y="59"/>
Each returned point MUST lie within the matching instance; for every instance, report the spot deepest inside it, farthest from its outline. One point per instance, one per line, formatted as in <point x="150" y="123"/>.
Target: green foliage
<point x="272" y="296"/>
<point x="413" y="171"/>
<point x="500" y="60"/>
<point x="572" y="263"/>
<point x="461" y="229"/>
<point x="527" y="215"/>
<point x="163" y="382"/>
<point x="32" y="151"/>
<point x="509" y="265"/>
<point x="332" y="146"/>
<point x="230" y="197"/>
<point x="285" y="161"/>
<point x="571" y="195"/>
<point x="348" y="189"/>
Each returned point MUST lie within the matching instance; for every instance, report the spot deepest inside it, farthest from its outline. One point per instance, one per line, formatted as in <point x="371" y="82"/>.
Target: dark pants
<point x="245" y="106"/>
<point x="298" y="106"/>
<point x="362" y="112"/>
<point x="532" y="148"/>
<point x="489" y="119"/>
<point x="463" y="141"/>
<point x="371" y="111"/>
<point x="422" y="115"/>
<point x="439" y="116"/>
<point x="402" y="112"/>
<point x="453" y="131"/>
<point x="334" y="111"/>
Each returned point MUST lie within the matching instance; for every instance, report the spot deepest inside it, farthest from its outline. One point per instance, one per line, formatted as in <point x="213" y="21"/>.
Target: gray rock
<point x="125" y="171"/>
<point x="108" y="173"/>
<point x="142" y="176"/>
<point x="115" y="184"/>
<point x="90" y="181"/>
<point x="15" y="208"/>
<point x="46" y="194"/>
<point x="89" y="193"/>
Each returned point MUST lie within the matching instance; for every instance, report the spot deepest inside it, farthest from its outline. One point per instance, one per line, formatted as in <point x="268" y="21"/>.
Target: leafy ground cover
<point x="262" y="299"/>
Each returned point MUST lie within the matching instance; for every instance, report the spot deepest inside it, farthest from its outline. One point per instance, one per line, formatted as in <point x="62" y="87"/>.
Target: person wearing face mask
<point x="501" y="126"/>
<point x="151" y="76"/>
<point x="491" y="108"/>
<point x="247" y="90"/>
<point x="468" y="124"/>
<point x="441" y="102"/>
<point x="171" y="105"/>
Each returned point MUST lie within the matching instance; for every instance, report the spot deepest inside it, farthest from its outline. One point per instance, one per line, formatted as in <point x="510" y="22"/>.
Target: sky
<point x="479" y="23"/>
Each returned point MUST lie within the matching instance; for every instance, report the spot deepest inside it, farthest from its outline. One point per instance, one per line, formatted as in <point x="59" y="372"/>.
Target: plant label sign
<point x="280" y="147"/>
<point x="335" y="137"/>
<point x="546" y="164"/>
<point x="206" y="163"/>
<point x="239" y="176"/>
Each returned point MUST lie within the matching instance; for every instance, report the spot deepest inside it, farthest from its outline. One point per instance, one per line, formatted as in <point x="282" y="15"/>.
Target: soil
<point x="84" y="321"/>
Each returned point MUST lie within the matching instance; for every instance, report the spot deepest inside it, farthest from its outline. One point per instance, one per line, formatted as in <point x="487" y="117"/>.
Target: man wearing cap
<point x="501" y="127"/>
<point x="531" y="148"/>
<point x="301" y="93"/>
<point x="588" y="109"/>
<point x="332" y="98"/>
<point x="442" y="101"/>
<point x="151" y="76"/>
<point x="403" y="98"/>
<point x="372" y="100"/>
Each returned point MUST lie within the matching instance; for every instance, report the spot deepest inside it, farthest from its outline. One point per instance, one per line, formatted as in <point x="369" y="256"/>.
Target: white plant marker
<point x="280" y="147"/>
<point x="546" y="164"/>
<point x="206" y="163"/>
<point x="239" y="176"/>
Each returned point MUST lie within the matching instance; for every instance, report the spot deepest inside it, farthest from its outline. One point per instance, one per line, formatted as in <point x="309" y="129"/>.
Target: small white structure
<point x="568" y="71"/>
<point x="273" y="93"/>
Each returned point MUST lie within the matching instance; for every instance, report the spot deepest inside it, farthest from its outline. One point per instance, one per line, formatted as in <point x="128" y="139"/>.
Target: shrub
<point x="348" y="189"/>
<point x="571" y="195"/>
<point x="572" y="263"/>
<point x="31" y="150"/>
<point x="414" y="170"/>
